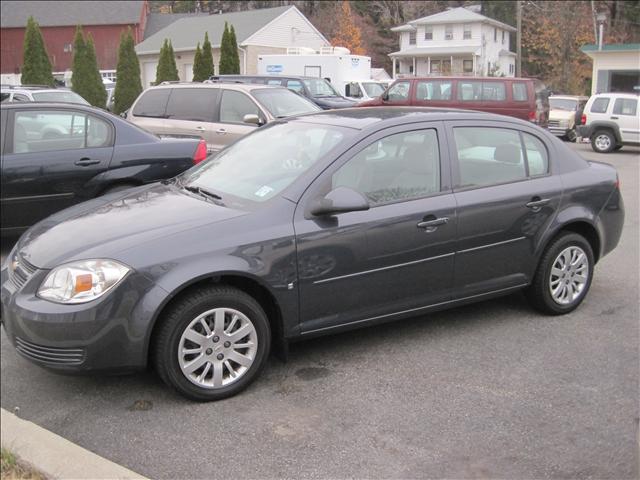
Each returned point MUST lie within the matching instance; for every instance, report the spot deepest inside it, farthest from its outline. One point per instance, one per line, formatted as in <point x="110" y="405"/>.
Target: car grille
<point x="58" y="356"/>
<point x="554" y="123"/>
<point x="21" y="272"/>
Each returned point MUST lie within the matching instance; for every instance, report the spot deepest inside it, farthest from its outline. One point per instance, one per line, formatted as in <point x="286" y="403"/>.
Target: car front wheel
<point x="603" y="141"/>
<point x="564" y="275"/>
<point x="212" y="343"/>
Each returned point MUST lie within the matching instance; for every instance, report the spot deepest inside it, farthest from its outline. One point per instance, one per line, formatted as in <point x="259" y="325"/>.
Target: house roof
<point x="14" y="14"/>
<point x="613" y="47"/>
<point x="158" y="21"/>
<point x="455" y="15"/>
<point x="187" y="32"/>
<point x="426" y="51"/>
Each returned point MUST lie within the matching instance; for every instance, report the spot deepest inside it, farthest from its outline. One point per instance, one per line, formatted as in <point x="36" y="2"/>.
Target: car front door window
<point x="398" y="92"/>
<point x="235" y="105"/>
<point x="39" y="131"/>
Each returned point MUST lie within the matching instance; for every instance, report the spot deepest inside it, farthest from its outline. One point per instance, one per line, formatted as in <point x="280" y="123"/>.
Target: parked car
<point x="56" y="155"/>
<point x="308" y="226"/>
<point x="39" y="93"/>
<point x="565" y="115"/>
<point x="610" y="121"/>
<point x="219" y="113"/>
<point x="317" y="90"/>
<point x="523" y="98"/>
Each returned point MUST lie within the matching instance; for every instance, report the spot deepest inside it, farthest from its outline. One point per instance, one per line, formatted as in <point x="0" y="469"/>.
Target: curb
<point x="54" y="456"/>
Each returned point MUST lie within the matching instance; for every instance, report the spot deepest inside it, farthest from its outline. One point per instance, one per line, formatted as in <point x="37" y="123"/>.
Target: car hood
<point x="561" y="115"/>
<point x="334" y="102"/>
<point x="109" y="225"/>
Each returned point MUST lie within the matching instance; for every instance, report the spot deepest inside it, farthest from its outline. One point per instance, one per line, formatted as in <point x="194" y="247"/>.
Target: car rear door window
<point x="398" y="167"/>
<point x="470" y="91"/>
<point x="493" y="92"/>
<point x="600" y="105"/>
<point x="152" y="103"/>
<point x="625" y="106"/>
<point x="519" y="91"/>
<point x="41" y="131"/>
<point x="99" y="133"/>
<point x="433" y="90"/>
<point x="488" y="156"/>
<point x="537" y="157"/>
<point x="194" y="104"/>
<point x="235" y="105"/>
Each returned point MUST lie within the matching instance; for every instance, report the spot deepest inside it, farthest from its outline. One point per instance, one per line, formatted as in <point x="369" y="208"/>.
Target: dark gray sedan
<point x="309" y="226"/>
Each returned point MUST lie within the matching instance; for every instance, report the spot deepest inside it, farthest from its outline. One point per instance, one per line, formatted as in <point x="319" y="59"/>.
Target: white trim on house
<point x="248" y="40"/>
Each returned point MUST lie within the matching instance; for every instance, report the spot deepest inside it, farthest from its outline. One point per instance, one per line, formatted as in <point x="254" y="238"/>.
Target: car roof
<point x="361" y="118"/>
<point x="570" y="97"/>
<point x="412" y="78"/>
<point x="616" y="94"/>
<point x="37" y="105"/>
<point x="213" y="84"/>
<point x="280" y="77"/>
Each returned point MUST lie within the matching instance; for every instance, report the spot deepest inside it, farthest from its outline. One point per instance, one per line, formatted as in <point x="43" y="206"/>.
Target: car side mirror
<point x="252" y="118"/>
<point x="124" y="114"/>
<point x="339" y="200"/>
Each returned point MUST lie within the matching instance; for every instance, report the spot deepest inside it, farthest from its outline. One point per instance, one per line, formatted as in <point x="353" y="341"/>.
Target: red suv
<point x="524" y="98"/>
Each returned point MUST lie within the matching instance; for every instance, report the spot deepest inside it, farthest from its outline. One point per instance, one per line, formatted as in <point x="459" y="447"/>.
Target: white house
<point x="616" y="67"/>
<point x="454" y="42"/>
<point x="258" y="32"/>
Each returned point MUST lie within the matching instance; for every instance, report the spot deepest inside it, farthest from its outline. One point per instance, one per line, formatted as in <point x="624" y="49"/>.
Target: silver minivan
<point x="218" y="112"/>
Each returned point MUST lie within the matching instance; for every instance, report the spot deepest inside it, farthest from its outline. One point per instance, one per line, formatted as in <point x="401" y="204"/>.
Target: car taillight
<point x="201" y="152"/>
<point x="583" y="120"/>
<point x="532" y="116"/>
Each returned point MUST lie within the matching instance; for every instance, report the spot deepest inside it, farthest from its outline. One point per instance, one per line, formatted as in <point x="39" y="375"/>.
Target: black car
<point x="318" y="90"/>
<point x="55" y="155"/>
<point x="309" y="225"/>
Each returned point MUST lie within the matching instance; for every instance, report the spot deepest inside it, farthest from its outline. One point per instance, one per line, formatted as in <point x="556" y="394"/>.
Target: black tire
<point x="539" y="292"/>
<point x="178" y="318"/>
<point x="608" y="146"/>
<point x="118" y="188"/>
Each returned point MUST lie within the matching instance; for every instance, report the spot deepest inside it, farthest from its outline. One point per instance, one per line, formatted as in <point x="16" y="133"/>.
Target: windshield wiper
<point x="202" y="192"/>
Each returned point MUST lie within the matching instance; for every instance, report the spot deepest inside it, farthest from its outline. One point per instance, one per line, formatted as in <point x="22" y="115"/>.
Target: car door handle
<point x="614" y="118"/>
<point x="433" y="223"/>
<point x="537" y="203"/>
<point x="200" y="128"/>
<point x="85" y="162"/>
<point x="221" y="131"/>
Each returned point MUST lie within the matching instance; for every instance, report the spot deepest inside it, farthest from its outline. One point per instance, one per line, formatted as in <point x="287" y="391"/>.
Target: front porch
<point x="440" y="65"/>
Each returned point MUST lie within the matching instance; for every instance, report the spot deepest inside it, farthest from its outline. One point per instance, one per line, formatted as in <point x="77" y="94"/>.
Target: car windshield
<point x="320" y="88"/>
<point x="282" y="102"/>
<point x="373" y="89"/>
<point x="563" y="104"/>
<point x="59" y="96"/>
<point x="262" y="164"/>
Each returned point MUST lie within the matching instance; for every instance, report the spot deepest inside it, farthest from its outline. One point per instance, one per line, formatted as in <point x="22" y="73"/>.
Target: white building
<point x="258" y="32"/>
<point x="454" y="42"/>
<point x="616" y="67"/>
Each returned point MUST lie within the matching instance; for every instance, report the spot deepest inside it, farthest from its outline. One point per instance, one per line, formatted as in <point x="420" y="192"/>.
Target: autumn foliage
<point x="347" y="33"/>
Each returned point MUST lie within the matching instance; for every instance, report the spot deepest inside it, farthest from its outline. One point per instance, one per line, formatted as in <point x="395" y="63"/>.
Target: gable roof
<point x="454" y="15"/>
<point x="14" y="14"/>
<point x="187" y="32"/>
<point x="158" y="21"/>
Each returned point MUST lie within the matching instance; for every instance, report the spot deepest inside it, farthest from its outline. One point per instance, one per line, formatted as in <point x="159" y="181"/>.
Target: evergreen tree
<point x="128" y="85"/>
<point x="198" y="73"/>
<point x="234" y="50"/>
<point x="166" y="71"/>
<point x="226" y="60"/>
<point x="207" y="57"/>
<point x="36" y="67"/>
<point x="96" y="94"/>
<point x="79" y="64"/>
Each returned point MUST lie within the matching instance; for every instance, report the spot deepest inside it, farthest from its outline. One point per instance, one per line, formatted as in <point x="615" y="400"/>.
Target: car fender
<point x="605" y="124"/>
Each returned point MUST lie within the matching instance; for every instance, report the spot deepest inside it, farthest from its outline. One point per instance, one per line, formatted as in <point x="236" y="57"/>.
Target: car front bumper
<point x="108" y="334"/>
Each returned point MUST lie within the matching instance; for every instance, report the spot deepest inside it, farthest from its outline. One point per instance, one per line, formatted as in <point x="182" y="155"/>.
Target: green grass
<point x="12" y="469"/>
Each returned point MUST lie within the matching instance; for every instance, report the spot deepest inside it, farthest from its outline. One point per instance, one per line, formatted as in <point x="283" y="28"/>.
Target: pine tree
<point x="207" y="57"/>
<point x="234" y="50"/>
<point x="79" y="65"/>
<point x="128" y="85"/>
<point x="96" y="94"/>
<point x="166" y="71"/>
<point x="36" y="67"/>
<point x="198" y="73"/>
<point x="226" y="60"/>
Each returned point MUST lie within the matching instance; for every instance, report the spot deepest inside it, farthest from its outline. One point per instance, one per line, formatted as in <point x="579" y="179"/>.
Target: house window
<point x="503" y="37"/>
<point x="68" y="47"/>
<point x="428" y="32"/>
<point x="435" y="66"/>
<point x="511" y="68"/>
<point x="412" y="38"/>
<point x="448" y="32"/>
<point x="495" y="34"/>
<point x="467" y="32"/>
<point x="411" y="69"/>
<point x="467" y="66"/>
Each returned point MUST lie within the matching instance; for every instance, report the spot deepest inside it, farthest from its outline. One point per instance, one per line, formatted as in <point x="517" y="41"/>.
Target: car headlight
<point x="82" y="281"/>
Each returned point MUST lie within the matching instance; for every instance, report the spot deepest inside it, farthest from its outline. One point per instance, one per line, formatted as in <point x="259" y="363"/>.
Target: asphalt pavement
<point x="488" y="390"/>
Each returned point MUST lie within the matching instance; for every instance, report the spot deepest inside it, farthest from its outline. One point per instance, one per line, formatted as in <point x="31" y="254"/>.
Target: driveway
<point x="489" y="390"/>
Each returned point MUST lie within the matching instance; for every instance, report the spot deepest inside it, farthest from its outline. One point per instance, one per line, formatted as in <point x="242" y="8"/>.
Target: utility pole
<point x="519" y="38"/>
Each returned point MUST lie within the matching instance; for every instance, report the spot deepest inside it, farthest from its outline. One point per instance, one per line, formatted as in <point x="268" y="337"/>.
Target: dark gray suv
<point x="310" y="225"/>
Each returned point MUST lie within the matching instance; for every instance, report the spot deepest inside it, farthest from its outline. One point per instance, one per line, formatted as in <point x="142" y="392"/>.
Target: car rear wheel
<point x="603" y="141"/>
<point x="212" y="343"/>
<point x="564" y="275"/>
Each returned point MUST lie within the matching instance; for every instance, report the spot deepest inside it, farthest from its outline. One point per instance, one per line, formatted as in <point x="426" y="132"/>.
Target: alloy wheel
<point x="569" y="275"/>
